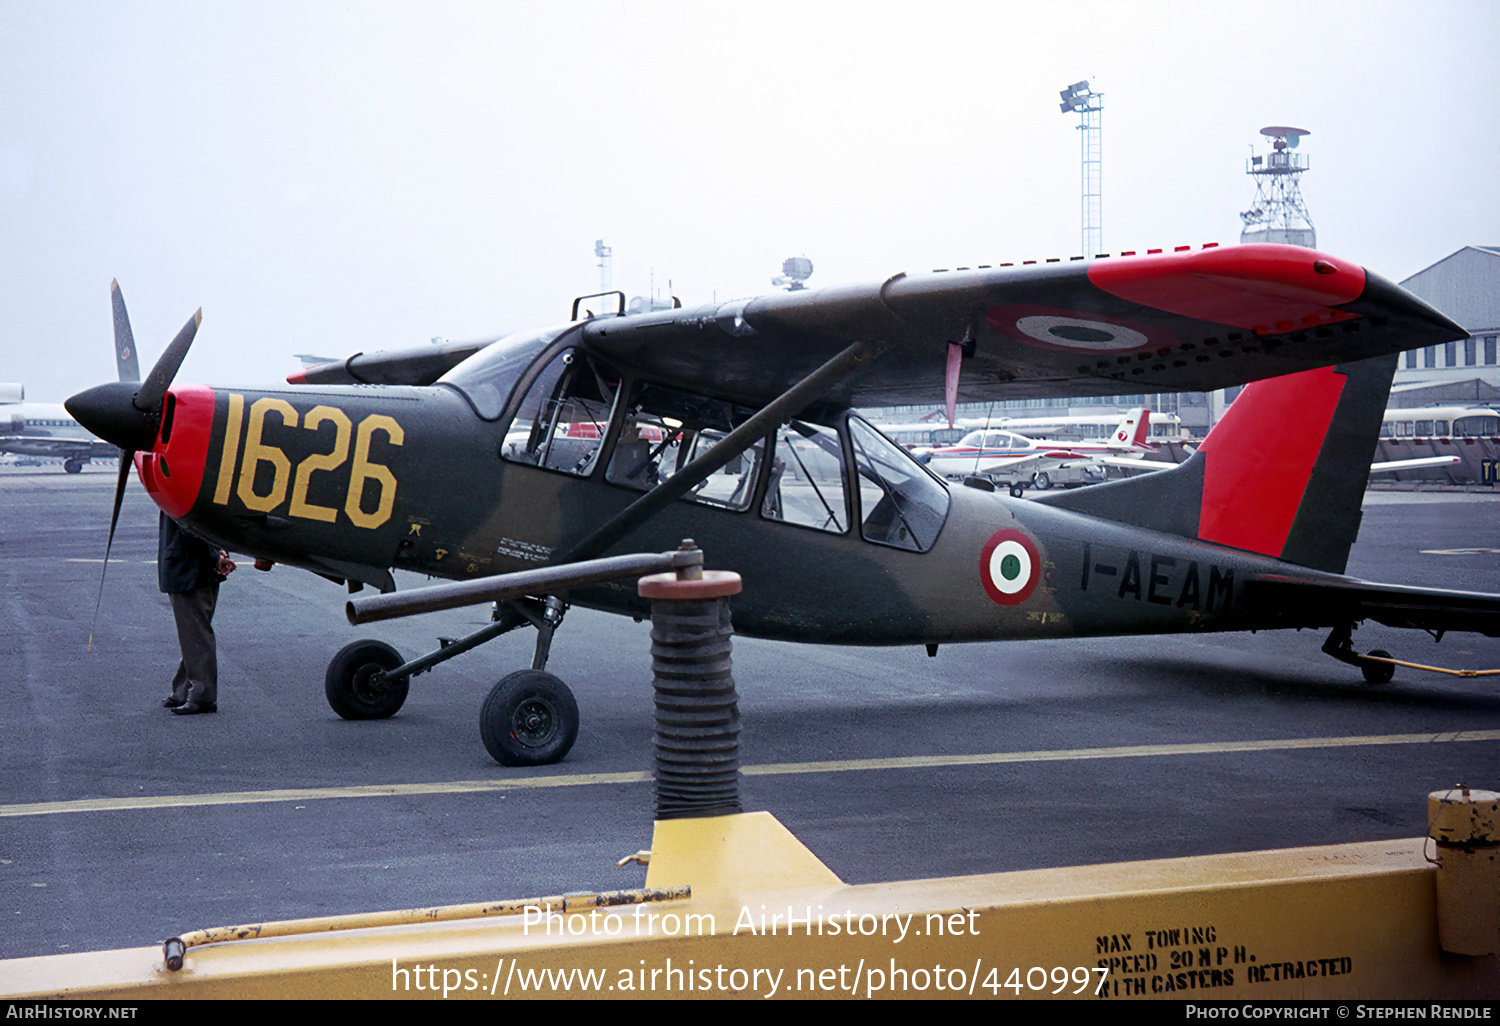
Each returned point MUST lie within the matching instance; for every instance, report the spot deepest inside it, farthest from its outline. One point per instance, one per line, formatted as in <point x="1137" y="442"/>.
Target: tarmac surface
<point x="121" y="825"/>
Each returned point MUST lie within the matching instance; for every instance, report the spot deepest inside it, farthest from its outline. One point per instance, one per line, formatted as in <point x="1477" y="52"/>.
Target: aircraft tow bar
<point x="504" y="588"/>
<point x="499" y="587"/>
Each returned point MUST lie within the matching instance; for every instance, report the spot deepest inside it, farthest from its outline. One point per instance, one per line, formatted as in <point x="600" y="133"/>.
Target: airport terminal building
<point x="1466" y="286"/>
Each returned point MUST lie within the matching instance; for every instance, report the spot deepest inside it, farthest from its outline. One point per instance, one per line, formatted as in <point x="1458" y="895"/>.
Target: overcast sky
<point x="333" y="177"/>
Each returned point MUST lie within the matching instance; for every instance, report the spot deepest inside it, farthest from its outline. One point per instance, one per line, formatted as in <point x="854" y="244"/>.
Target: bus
<point x="1453" y="421"/>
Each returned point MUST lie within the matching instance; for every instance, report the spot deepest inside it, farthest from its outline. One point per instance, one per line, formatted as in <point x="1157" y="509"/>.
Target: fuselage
<point x="349" y="481"/>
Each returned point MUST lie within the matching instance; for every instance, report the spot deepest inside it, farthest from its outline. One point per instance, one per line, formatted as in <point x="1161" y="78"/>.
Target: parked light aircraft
<point x="1004" y="456"/>
<point x="730" y="423"/>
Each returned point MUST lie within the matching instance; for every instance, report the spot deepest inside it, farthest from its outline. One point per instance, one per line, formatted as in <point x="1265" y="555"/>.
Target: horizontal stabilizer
<point x="1416" y="464"/>
<point x="1303" y="603"/>
<point x="414" y="365"/>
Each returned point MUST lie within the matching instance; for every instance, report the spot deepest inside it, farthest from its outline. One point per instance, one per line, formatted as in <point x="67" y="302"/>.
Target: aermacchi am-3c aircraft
<point x="731" y="424"/>
<point x="998" y="454"/>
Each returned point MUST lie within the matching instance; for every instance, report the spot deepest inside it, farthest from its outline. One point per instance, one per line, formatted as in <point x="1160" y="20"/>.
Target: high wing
<point x="1185" y="321"/>
<point x="1159" y="322"/>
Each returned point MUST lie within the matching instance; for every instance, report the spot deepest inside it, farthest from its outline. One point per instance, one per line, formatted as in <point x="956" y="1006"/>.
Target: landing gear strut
<point x="1374" y="665"/>
<point x="530" y="717"/>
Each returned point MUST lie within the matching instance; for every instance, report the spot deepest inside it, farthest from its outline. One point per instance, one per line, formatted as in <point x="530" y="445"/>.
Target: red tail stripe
<point x="1258" y="458"/>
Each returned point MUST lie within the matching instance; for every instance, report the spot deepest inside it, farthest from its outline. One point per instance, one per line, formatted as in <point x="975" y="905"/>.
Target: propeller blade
<point x="126" y="458"/>
<point x="154" y="388"/>
<point x="125" y="358"/>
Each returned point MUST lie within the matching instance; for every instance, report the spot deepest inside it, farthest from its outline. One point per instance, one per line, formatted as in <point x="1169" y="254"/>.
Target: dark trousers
<point x="197" y="676"/>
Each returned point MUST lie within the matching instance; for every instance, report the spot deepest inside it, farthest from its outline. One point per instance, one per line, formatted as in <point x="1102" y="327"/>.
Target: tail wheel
<point x="529" y="719"/>
<point x="1378" y="673"/>
<point x="353" y="688"/>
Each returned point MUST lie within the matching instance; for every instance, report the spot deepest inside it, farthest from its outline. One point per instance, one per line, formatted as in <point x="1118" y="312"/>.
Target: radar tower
<point x="1278" y="214"/>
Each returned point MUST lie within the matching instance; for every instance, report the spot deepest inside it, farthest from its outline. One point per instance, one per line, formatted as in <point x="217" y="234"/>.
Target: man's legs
<point x="194" y="613"/>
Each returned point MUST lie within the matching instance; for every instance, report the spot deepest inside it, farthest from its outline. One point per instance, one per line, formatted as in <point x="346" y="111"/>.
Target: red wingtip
<point x="299" y="378"/>
<point x="1260" y="286"/>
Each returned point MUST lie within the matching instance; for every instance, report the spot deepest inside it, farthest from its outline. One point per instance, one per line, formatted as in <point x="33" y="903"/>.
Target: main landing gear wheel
<point x="529" y="719"/>
<point x="1378" y="673"/>
<point x="1017" y="490"/>
<point x="351" y="689"/>
<point x="1042" y="481"/>
<point x="72" y="466"/>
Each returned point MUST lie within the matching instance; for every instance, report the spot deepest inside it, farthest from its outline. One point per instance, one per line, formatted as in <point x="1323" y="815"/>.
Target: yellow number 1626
<point x="282" y="474"/>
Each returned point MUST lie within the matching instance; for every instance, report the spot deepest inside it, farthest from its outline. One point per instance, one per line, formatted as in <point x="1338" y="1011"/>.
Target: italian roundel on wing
<point x="1009" y="567"/>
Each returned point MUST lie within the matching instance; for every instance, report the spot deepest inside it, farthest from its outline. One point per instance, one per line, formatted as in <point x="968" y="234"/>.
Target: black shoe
<point x="193" y="708"/>
<point x="172" y="702"/>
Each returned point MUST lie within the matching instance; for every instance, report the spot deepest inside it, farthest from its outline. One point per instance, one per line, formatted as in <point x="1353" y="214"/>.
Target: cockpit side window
<point x="666" y="429"/>
<point x="902" y="504"/>
<point x="564" y="416"/>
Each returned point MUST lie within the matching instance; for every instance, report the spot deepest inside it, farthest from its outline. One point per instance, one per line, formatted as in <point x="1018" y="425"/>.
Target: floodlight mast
<point x="1089" y="105"/>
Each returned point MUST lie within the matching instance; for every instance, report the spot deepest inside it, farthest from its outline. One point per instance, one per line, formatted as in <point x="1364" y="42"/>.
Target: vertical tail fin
<point x="1133" y="429"/>
<point x="1282" y="473"/>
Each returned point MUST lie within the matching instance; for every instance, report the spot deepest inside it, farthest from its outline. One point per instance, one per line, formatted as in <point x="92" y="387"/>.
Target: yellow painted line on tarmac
<point x="1129" y="752"/>
<point x="769" y="769"/>
<point x="297" y="794"/>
